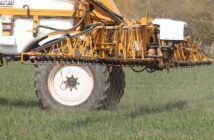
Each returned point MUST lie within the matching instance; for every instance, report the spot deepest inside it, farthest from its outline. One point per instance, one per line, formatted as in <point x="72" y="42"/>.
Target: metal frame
<point x="128" y="43"/>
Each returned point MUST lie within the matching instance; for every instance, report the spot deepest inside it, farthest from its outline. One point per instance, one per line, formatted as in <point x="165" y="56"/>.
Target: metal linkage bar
<point x="35" y="12"/>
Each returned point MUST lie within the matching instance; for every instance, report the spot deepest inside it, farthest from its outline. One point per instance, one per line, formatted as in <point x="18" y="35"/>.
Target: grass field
<point x="177" y="106"/>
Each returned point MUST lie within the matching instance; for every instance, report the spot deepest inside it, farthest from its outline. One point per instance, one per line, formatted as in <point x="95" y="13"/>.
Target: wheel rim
<point x="70" y="85"/>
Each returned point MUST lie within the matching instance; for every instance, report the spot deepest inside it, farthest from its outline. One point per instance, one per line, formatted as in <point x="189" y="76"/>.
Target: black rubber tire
<point x="117" y="87"/>
<point x="109" y="84"/>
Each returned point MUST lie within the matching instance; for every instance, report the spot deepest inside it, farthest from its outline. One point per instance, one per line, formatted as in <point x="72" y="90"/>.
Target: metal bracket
<point x="28" y="9"/>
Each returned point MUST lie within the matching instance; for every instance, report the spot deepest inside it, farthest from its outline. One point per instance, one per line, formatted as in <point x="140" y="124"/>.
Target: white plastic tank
<point x="172" y="30"/>
<point x="21" y="37"/>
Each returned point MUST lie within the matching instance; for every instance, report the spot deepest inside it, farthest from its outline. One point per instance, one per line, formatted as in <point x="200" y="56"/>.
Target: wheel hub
<point x="71" y="83"/>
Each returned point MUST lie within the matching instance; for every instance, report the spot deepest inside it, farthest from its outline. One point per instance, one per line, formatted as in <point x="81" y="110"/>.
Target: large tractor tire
<point x="67" y="87"/>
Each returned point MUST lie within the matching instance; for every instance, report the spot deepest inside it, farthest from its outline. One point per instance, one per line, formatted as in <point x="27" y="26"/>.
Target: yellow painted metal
<point x="118" y="43"/>
<point x="111" y="5"/>
<point x="131" y="40"/>
<point x="100" y="13"/>
<point x="35" y="12"/>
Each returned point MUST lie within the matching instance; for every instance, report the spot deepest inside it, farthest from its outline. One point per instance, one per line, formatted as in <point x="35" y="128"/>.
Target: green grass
<point x="177" y="106"/>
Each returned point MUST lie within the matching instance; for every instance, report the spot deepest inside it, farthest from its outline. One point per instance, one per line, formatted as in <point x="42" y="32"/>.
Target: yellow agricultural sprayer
<point x="80" y="48"/>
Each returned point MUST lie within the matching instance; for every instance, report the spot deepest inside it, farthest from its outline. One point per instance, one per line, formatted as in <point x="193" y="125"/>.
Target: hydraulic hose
<point x="138" y="71"/>
<point x="74" y="27"/>
<point x="90" y="29"/>
<point x="117" y="19"/>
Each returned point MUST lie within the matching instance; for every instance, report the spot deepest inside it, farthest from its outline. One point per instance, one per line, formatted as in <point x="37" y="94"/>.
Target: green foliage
<point x="158" y="106"/>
